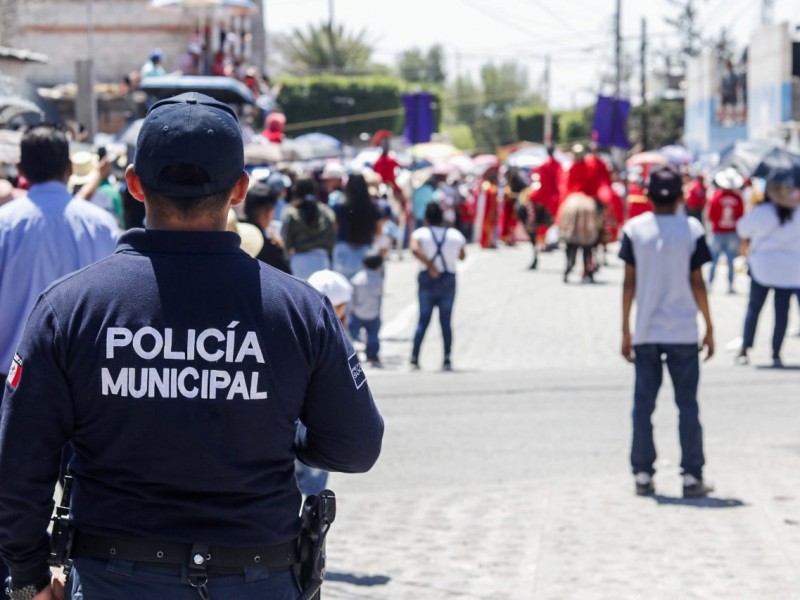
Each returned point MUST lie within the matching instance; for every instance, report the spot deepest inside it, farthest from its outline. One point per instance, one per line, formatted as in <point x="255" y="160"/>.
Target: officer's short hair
<point x="434" y="214"/>
<point x="183" y="206"/>
<point x="44" y="154"/>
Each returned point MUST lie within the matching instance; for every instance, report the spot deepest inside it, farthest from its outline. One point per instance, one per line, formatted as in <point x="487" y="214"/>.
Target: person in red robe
<point x="588" y="174"/>
<point x="547" y="196"/>
<point x="486" y="218"/>
<point x="637" y="200"/>
<point x="696" y="198"/>
<point x="386" y="166"/>
<point x="508" y="206"/>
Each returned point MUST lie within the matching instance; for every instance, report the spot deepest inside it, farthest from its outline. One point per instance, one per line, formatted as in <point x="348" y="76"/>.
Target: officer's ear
<point x="240" y="189"/>
<point x="134" y="184"/>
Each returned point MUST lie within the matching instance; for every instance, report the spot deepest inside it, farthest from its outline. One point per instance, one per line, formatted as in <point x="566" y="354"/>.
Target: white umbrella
<point x="245" y="7"/>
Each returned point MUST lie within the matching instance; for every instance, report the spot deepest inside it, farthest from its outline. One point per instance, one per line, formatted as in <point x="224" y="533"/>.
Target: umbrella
<point x="243" y="7"/>
<point x="747" y="156"/>
<point x="262" y="153"/>
<point x="14" y="108"/>
<point x="11" y="87"/>
<point x="527" y="157"/>
<point x="433" y="151"/>
<point x="9" y="146"/>
<point x="646" y="158"/>
<point x="314" y="145"/>
<point x="779" y="166"/>
<point x="676" y="154"/>
<point x="224" y="89"/>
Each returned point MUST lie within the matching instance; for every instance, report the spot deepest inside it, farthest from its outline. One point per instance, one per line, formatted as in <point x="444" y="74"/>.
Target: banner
<point x="610" y="127"/>
<point x="419" y="117"/>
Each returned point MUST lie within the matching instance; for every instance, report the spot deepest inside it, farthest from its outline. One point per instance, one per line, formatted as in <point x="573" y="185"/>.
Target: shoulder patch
<point x="15" y="372"/>
<point x="359" y="378"/>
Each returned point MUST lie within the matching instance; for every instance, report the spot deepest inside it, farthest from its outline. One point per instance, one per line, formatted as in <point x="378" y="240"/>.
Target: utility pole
<point x="767" y="7"/>
<point x="643" y="70"/>
<point x="259" y="32"/>
<point x="548" y="114"/>
<point x="618" y="50"/>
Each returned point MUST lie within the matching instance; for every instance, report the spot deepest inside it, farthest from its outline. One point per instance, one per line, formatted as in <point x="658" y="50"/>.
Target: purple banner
<point x="610" y="127"/>
<point x="419" y="117"/>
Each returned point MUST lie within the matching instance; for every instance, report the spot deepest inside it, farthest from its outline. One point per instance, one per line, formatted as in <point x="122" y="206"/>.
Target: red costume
<point x="385" y="167"/>
<point x="548" y="194"/>
<point x="588" y="176"/>
<point x="486" y="219"/>
<point x="508" y="216"/>
<point x="696" y="195"/>
<point x="725" y="208"/>
<point x="638" y="202"/>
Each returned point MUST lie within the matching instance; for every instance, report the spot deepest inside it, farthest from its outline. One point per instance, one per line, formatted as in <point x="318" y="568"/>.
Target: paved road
<point x="508" y="478"/>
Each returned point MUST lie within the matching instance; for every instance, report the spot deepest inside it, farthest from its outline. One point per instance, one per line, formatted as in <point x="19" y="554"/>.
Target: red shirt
<point x="725" y="208"/>
<point x="696" y="196"/>
<point x="549" y="191"/>
<point x="385" y="166"/>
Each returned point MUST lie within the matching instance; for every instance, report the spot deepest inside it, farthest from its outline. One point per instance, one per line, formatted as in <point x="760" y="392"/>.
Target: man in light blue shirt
<point x="45" y="235"/>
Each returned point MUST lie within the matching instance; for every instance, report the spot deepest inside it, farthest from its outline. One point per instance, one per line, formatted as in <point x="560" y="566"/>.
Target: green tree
<point x="504" y="86"/>
<point x="664" y="123"/>
<point x="685" y="23"/>
<point x="325" y="48"/>
<point x="416" y="67"/>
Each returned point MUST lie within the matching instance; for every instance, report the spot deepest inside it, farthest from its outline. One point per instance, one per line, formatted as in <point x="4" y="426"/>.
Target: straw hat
<point x="83" y="162"/>
<point x="252" y="238"/>
<point x="729" y="179"/>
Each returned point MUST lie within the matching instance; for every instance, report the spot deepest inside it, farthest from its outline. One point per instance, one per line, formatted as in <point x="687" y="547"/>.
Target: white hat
<point x="728" y="179"/>
<point x="333" y="170"/>
<point x="334" y="285"/>
<point x="252" y="238"/>
<point x="83" y="162"/>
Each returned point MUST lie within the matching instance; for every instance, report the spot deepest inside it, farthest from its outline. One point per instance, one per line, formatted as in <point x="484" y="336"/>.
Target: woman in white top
<point x="437" y="248"/>
<point x="772" y="230"/>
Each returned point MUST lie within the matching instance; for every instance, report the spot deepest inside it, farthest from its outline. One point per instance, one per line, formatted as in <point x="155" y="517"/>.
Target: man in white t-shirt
<point x="437" y="247"/>
<point x="664" y="252"/>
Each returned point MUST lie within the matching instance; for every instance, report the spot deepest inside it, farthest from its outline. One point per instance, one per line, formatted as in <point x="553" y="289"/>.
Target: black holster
<point x="318" y="513"/>
<point x="63" y="531"/>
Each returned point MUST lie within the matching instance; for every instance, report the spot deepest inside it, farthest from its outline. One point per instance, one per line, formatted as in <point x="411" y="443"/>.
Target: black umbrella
<point x="779" y="166"/>
<point x="22" y="91"/>
<point x="764" y="159"/>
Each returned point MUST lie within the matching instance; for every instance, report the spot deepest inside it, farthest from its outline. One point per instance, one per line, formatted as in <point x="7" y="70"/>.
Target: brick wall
<point x="124" y="33"/>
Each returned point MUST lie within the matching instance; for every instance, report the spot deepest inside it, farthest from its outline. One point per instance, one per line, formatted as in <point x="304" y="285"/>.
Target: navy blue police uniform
<point x="179" y="369"/>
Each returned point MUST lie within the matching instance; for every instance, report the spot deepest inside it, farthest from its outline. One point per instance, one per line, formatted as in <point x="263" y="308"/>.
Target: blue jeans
<point x="310" y="480"/>
<point x="304" y="264"/>
<point x="435" y="293"/>
<point x="125" y="580"/>
<point x="727" y="244"/>
<point x="684" y="369"/>
<point x="758" y="295"/>
<point x="371" y="327"/>
<point x="348" y="259"/>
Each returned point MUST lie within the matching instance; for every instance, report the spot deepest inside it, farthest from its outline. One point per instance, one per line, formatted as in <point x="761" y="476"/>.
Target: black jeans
<point x="572" y="255"/>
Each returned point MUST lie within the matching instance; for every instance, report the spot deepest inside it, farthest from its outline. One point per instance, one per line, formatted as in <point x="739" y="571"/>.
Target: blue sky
<point x="576" y="33"/>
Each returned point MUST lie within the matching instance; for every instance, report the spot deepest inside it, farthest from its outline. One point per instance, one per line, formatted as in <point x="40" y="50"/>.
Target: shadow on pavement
<point x="709" y="502"/>
<point x="782" y="368"/>
<point x="363" y="581"/>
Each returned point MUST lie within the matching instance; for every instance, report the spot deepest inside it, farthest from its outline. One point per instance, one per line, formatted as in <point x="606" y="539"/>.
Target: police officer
<point x="183" y="372"/>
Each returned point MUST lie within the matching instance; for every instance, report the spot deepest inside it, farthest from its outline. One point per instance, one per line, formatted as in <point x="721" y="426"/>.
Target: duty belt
<point x="216" y="559"/>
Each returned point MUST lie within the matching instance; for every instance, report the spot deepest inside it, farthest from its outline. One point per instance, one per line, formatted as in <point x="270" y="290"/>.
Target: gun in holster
<point x="318" y="513"/>
<point x="63" y="531"/>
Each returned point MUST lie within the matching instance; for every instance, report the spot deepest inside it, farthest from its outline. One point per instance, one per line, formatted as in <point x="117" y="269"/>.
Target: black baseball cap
<point x="665" y="184"/>
<point x="192" y="129"/>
